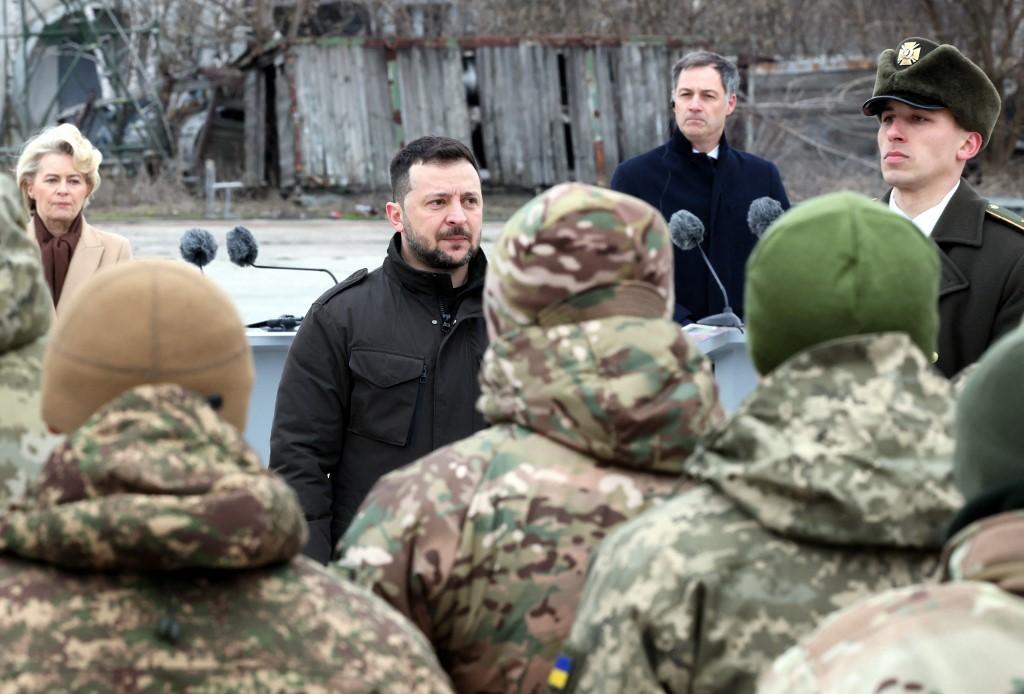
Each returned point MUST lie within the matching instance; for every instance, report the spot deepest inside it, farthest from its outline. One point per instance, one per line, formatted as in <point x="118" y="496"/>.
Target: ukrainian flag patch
<point x="559" y="676"/>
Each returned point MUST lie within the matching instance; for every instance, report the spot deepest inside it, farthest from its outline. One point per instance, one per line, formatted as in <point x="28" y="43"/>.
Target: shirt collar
<point x="713" y="154"/>
<point x="927" y="220"/>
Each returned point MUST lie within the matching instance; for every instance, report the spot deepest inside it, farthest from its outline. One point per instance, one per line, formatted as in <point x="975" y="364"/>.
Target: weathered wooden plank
<point x="254" y="105"/>
<point x="285" y="125"/>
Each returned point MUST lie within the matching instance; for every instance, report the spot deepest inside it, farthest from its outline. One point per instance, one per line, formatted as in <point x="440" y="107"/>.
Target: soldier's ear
<point x="970" y="146"/>
<point x="393" y="211"/>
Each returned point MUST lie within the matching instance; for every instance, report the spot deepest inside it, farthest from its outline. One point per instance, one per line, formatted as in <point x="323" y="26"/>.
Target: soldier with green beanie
<point x="927" y="634"/>
<point x="836" y="268"/>
<point x="936" y="111"/>
<point x="595" y="398"/>
<point x="832" y="481"/>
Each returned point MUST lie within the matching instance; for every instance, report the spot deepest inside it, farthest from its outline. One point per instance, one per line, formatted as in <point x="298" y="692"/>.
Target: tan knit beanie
<point x="146" y="321"/>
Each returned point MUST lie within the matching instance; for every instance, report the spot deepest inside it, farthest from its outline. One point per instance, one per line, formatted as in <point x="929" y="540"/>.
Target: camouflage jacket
<point x="832" y="481"/>
<point x="25" y="311"/>
<point x="926" y="638"/>
<point x="485" y="543"/>
<point x="154" y="554"/>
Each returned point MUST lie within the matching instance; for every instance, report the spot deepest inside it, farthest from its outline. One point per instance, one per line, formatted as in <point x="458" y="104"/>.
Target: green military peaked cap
<point x="836" y="266"/>
<point x="924" y="74"/>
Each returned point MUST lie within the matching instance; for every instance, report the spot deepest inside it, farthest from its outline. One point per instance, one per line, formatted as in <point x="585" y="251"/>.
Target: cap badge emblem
<point x="908" y="53"/>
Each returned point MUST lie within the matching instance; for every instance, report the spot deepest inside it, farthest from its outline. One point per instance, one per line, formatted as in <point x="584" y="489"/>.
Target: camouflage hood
<point x="848" y="442"/>
<point x="155" y="480"/>
<point x="991" y="549"/>
<point x="626" y="391"/>
<point x="25" y="304"/>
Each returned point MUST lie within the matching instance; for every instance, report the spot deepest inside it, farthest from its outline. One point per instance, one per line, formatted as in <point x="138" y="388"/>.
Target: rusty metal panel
<point x="523" y="125"/>
<point x="432" y="93"/>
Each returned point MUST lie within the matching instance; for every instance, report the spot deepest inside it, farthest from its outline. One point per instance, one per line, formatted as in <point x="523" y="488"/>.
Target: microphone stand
<point x="725" y="319"/>
<point x="289" y="267"/>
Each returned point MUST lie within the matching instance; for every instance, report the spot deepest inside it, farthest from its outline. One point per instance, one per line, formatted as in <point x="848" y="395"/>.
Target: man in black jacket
<point x="384" y="367"/>
<point x="697" y="170"/>
<point x="936" y="110"/>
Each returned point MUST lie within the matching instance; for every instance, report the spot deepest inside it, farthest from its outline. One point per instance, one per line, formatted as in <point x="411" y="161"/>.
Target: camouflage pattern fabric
<point x="25" y="314"/>
<point x="484" y="544"/>
<point x="595" y="400"/>
<point x="925" y="638"/>
<point x="182" y="491"/>
<point x="156" y="481"/>
<point x="577" y="252"/>
<point x="831" y="482"/>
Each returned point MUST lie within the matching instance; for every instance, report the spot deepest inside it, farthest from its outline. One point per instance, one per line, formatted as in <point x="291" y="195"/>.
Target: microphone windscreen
<point x="686" y="229"/>
<point x="242" y="247"/>
<point x="198" y="246"/>
<point x="763" y="211"/>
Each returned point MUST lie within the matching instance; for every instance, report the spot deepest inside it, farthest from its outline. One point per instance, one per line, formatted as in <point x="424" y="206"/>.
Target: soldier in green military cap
<point x="936" y="111"/>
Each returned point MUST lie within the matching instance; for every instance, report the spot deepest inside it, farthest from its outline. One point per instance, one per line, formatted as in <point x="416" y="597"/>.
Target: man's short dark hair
<point x="425" y="150"/>
<point x="726" y="69"/>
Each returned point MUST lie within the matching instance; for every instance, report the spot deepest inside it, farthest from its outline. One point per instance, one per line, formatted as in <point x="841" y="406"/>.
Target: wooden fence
<point x="331" y="113"/>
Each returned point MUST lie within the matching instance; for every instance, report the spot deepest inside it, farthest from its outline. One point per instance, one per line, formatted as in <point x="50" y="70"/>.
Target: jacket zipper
<point x="446" y="316"/>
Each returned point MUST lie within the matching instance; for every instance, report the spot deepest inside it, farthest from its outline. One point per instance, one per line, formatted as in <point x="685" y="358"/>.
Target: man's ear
<point x="394" y="214"/>
<point x="970" y="146"/>
<point x="730" y="104"/>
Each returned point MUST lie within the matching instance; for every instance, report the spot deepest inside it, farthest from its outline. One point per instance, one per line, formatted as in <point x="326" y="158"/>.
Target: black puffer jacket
<point x="376" y="378"/>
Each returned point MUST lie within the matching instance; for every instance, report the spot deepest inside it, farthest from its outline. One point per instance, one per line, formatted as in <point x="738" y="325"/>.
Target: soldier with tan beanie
<point x="154" y="551"/>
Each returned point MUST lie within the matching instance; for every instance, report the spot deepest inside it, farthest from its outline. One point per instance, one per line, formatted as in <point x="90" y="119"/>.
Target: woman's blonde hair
<point x="60" y="139"/>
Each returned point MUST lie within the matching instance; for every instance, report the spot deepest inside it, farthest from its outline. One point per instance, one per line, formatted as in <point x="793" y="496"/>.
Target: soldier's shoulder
<point x="690" y="522"/>
<point x="363" y="628"/>
<point x="998" y="214"/>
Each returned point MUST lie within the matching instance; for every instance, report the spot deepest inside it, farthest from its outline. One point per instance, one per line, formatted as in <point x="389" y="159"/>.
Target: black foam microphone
<point x="762" y="213"/>
<point x="687" y="232"/>
<point x="243" y="249"/>
<point x="198" y="247"/>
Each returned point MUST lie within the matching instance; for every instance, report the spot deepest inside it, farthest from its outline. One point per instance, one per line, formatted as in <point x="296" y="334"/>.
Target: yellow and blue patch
<point x="559" y="676"/>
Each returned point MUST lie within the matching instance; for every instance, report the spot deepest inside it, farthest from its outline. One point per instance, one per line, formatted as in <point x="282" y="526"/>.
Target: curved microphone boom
<point x="198" y="247"/>
<point x="762" y="214"/>
<point x="687" y="232"/>
<point x="243" y="249"/>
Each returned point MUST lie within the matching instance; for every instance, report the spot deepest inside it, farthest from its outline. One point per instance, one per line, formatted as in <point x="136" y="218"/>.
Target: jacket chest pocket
<point x="385" y="387"/>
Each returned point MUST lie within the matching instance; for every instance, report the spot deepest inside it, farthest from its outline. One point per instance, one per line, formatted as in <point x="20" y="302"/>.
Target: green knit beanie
<point x="839" y="265"/>
<point x="989" y="437"/>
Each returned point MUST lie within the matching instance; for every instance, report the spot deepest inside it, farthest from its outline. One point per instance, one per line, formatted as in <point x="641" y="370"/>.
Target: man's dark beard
<point x="436" y="258"/>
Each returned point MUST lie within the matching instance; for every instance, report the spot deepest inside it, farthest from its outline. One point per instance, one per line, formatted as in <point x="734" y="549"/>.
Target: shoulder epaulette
<point x="1005" y="215"/>
<point x="350" y="281"/>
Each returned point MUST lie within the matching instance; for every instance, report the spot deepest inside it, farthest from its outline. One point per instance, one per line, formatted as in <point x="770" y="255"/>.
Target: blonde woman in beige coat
<point x="57" y="173"/>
